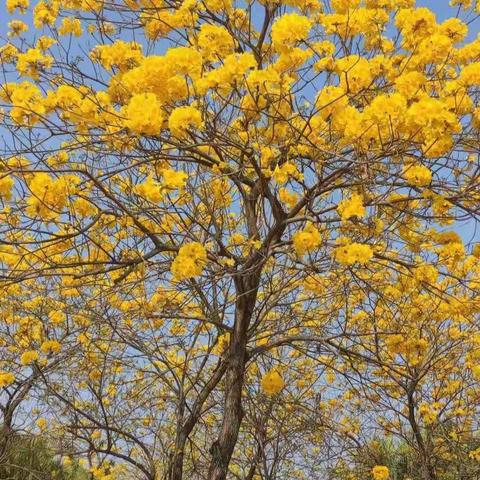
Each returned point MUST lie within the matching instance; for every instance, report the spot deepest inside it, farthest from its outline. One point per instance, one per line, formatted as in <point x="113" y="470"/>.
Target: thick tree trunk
<point x="175" y="471"/>
<point x="222" y="448"/>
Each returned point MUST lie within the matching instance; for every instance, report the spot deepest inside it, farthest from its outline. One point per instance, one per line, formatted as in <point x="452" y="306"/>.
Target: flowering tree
<point x="237" y="240"/>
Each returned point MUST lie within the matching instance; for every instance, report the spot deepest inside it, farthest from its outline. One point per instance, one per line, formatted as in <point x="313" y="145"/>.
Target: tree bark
<point x="428" y="471"/>
<point x="222" y="448"/>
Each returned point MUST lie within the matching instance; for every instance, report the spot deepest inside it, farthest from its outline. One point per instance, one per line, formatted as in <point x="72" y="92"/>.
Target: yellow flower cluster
<point x="306" y="240"/>
<point x="17" y="27"/>
<point x="70" y="25"/>
<point x="429" y="413"/>
<point x="8" y="53"/>
<point x="475" y="454"/>
<point x="14" y="5"/>
<point x="354" y="72"/>
<point x="29" y="357"/>
<point x="45" y="13"/>
<point x="26" y="100"/>
<point x="353" y="253"/>
<point x="50" y="346"/>
<point x="32" y="62"/>
<point x="351" y="207"/>
<point x="412" y="349"/>
<point x="163" y="21"/>
<point x="143" y="114"/>
<point x="380" y="472"/>
<point x="417" y="175"/>
<point x="6" y="185"/>
<point x="173" y="179"/>
<point x="49" y="195"/>
<point x="183" y="119"/>
<point x="283" y="172"/>
<point x="289" y="30"/>
<point x="6" y="379"/>
<point x="120" y="54"/>
<point x="272" y="382"/>
<point x="189" y="262"/>
<point x="214" y="42"/>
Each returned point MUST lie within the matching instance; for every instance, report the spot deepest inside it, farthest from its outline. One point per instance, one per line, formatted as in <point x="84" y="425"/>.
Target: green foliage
<point x="27" y="457"/>
<point x="404" y="463"/>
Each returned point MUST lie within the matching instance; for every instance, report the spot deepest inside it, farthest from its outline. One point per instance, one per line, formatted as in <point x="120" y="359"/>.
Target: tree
<point x="30" y="458"/>
<point x="238" y="239"/>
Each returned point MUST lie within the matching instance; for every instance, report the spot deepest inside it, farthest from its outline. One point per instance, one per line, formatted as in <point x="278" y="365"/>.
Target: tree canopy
<point x="239" y="239"/>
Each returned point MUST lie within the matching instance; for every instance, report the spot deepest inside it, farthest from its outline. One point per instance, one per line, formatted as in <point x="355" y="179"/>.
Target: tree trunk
<point x="427" y="470"/>
<point x="222" y="448"/>
<point x="175" y="470"/>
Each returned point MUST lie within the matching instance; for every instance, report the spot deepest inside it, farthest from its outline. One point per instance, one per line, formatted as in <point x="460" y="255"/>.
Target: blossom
<point x="6" y="185"/>
<point x="72" y="26"/>
<point x="183" y="119"/>
<point x="13" y="5"/>
<point x="17" y="27"/>
<point x="143" y="114"/>
<point x="173" y="179"/>
<point x="45" y="13"/>
<point x="272" y="382"/>
<point x="306" y="240"/>
<point x="353" y="253"/>
<point x="42" y="423"/>
<point x="30" y="63"/>
<point x="417" y="175"/>
<point x="151" y="190"/>
<point x="29" y="357"/>
<point x="380" y="472"/>
<point x="120" y="54"/>
<point x="288" y="30"/>
<point x="6" y="379"/>
<point x="351" y="207"/>
<point x="189" y="262"/>
<point x="50" y="346"/>
<point x="354" y="73"/>
<point x="215" y="42"/>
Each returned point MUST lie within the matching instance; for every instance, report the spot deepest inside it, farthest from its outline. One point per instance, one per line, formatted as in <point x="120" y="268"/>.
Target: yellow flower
<point x="306" y="240"/>
<point x="288" y="30"/>
<point x="72" y="26"/>
<point x="174" y="179"/>
<point x="380" y="472"/>
<point x="45" y="13"/>
<point x="13" y="5"/>
<point x="6" y="379"/>
<point x="183" y="119"/>
<point x="41" y="423"/>
<point x="189" y="262"/>
<point x="351" y="207"/>
<point x="417" y="175"/>
<point x="31" y="62"/>
<point x="476" y="372"/>
<point x="353" y="253"/>
<point x="50" y="346"/>
<point x="151" y="190"/>
<point x="272" y="382"/>
<point x="354" y="73"/>
<point x="57" y="317"/>
<point x="120" y="54"/>
<point x="17" y="27"/>
<point x="6" y="185"/>
<point x="29" y="357"/>
<point x="215" y="42"/>
<point x="143" y="114"/>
